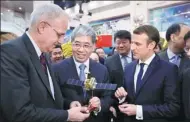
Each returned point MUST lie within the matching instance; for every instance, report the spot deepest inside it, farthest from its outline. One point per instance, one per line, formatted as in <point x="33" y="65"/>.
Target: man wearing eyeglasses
<point x="83" y="40"/>
<point x="28" y="90"/>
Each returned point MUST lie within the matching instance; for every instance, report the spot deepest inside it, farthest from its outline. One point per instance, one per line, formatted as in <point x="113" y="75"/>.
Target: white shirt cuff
<point x="139" y="112"/>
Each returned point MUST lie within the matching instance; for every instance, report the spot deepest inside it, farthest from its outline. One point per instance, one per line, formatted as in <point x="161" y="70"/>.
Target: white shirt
<point x="86" y="70"/>
<point x="139" y="111"/>
<point x="38" y="51"/>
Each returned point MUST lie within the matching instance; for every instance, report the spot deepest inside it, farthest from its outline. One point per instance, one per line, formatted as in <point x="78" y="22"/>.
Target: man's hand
<point x="120" y="93"/>
<point x="128" y="109"/>
<point x="78" y="114"/>
<point x="112" y="109"/>
<point x="75" y="104"/>
<point x="95" y="102"/>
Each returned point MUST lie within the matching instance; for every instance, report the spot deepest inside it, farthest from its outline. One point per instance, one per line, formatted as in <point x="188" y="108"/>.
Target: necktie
<point x="82" y="75"/>
<point x="139" y="77"/>
<point x="175" y="60"/>
<point x="43" y="62"/>
<point x="124" y="58"/>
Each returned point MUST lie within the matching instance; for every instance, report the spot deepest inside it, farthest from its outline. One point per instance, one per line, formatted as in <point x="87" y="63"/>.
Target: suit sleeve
<point x="106" y="100"/>
<point x="15" y="91"/>
<point x="171" y="106"/>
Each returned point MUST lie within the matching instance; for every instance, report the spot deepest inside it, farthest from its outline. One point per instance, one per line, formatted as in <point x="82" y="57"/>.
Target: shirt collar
<point x="171" y="54"/>
<point x="149" y="60"/>
<point x="129" y="55"/>
<point x="38" y="51"/>
<point x="86" y="63"/>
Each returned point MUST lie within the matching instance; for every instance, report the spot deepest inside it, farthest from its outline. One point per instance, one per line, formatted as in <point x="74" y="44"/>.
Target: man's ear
<point x="172" y="37"/>
<point x="40" y="26"/>
<point x="152" y="45"/>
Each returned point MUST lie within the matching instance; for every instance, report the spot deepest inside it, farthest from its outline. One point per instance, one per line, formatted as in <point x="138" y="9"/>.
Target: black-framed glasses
<point x="59" y="35"/>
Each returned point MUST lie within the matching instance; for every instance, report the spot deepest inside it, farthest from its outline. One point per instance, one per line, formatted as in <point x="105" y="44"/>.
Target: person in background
<point x="28" y="90"/>
<point x="94" y="56"/>
<point x="187" y="44"/>
<point x="83" y="39"/>
<point x="117" y="62"/>
<point x="57" y="54"/>
<point x="175" y="52"/>
<point x="151" y="86"/>
<point x="158" y="48"/>
<point x="102" y="55"/>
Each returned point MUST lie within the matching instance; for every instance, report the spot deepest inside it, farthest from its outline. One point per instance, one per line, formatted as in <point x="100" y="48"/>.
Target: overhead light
<point x="1" y="13"/>
<point x="20" y="8"/>
<point x="68" y="11"/>
<point x="8" y="10"/>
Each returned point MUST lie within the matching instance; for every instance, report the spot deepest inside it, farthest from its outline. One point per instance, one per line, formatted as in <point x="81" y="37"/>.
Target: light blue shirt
<point x="128" y="57"/>
<point x="172" y="59"/>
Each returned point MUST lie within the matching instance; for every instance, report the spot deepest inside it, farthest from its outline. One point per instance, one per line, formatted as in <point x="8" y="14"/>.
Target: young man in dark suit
<point x="151" y="85"/>
<point x="117" y="62"/>
<point x="83" y="40"/>
<point x="28" y="90"/>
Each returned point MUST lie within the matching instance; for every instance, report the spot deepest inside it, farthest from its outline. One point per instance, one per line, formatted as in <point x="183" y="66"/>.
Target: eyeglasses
<point x="59" y="35"/>
<point x="85" y="46"/>
<point x="186" y="49"/>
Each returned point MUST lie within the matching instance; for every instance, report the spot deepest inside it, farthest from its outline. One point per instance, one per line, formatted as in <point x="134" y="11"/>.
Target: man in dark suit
<point x="186" y="94"/>
<point x="186" y="82"/>
<point x="83" y="42"/>
<point x="117" y="62"/>
<point x="28" y="90"/>
<point x="151" y="87"/>
<point x="175" y="51"/>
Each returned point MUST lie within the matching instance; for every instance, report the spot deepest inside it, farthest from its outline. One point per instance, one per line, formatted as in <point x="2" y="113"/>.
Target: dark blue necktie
<point x="82" y="75"/>
<point x="139" y="77"/>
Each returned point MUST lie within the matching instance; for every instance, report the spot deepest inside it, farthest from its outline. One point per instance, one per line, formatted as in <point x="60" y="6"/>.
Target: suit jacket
<point x="186" y="93"/>
<point x="116" y="73"/>
<point x="66" y="70"/>
<point x="184" y="63"/>
<point x="159" y="91"/>
<point x="25" y="94"/>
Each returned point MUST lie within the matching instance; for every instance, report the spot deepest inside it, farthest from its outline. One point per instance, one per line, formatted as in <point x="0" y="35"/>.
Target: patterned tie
<point x="124" y="58"/>
<point x="139" y="77"/>
<point x="82" y="76"/>
<point x="43" y="62"/>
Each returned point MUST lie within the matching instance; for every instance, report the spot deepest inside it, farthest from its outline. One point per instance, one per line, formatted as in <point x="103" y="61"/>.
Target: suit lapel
<point x="36" y="62"/>
<point x="150" y="70"/>
<point x="130" y="79"/>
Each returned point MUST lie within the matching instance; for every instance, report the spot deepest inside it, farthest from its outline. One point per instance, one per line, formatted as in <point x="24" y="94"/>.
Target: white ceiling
<point x="27" y="6"/>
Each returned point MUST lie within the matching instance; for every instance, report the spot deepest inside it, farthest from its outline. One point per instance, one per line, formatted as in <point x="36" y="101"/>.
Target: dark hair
<point x="98" y="48"/>
<point x="150" y="31"/>
<point x="187" y="36"/>
<point x="58" y="46"/>
<point x="173" y="29"/>
<point x="122" y="34"/>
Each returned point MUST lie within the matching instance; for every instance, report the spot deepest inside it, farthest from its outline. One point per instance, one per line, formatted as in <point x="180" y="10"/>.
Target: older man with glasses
<point x="28" y="90"/>
<point x="83" y="41"/>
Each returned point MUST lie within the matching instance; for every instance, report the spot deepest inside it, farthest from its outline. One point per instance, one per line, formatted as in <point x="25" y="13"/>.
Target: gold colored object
<point x="90" y="82"/>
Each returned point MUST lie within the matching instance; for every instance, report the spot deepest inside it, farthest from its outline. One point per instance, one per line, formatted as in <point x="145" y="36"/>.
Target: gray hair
<point x="83" y="30"/>
<point x="48" y="11"/>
